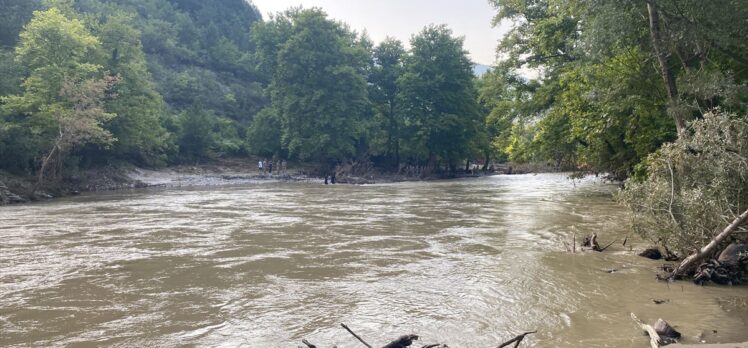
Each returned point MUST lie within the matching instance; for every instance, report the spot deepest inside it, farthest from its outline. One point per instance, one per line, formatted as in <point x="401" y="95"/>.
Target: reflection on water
<point x="470" y="263"/>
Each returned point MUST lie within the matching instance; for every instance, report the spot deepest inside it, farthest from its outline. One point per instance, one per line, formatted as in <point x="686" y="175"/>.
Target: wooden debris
<point x="517" y="340"/>
<point x="718" y="272"/>
<point x="661" y="334"/>
<point x="695" y="259"/>
<point x="407" y="340"/>
<point x="402" y="341"/>
<point x="354" y="335"/>
<point x="607" y="246"/>
<point x="654" y="338"/>
<point x="309" y="345"/>
<point x="591" y="242"/>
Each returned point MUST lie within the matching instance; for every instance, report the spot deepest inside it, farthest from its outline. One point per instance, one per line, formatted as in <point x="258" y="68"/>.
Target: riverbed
<point x="469" y="262"/>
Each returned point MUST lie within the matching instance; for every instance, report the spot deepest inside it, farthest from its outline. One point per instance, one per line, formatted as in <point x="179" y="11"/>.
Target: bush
<point x="694" y="187"/>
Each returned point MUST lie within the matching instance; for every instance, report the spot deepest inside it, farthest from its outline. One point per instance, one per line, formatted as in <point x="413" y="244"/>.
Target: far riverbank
<point x="16" y="189"/>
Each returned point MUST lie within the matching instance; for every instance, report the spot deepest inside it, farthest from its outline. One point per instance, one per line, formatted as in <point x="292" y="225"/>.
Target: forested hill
<point x="152" y="82"/>
<point x="88" y="82"/>
<point x="198" y="56"/>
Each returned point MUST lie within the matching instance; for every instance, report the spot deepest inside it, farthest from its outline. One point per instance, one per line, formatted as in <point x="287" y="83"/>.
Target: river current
<point x="469" y="262"/>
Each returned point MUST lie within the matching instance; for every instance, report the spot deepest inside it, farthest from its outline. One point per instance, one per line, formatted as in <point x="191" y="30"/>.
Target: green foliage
<point x="317" y="87"/>
<point x="196" y="137"/>
<point x="438" y="97"/>
<point x="264" y="136"/>
<point x="383" y="92"/>
<point x="138" y="127"/>
<point x="605" y="101"/>
<point x="59" y="54"/>
<point x="695" y="186"/>
<point x="16" y="13"/>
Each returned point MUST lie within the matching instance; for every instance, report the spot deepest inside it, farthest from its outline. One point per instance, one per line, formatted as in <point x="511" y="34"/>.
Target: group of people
<point x="266" y="167"/>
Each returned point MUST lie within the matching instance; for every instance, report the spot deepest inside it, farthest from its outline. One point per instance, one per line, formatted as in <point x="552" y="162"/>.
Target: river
<point x="469" y="262"/>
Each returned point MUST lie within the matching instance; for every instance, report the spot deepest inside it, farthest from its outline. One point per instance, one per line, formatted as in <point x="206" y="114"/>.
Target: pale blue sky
<point x="403" y="18"/>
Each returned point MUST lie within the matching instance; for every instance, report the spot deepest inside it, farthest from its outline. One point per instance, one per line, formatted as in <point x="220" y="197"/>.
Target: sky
<point x="403" y="18"/>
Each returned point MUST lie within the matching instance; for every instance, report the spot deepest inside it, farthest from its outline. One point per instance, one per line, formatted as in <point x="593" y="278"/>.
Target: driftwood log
<point x="407" y="340"/>
<point x="696" y="258"/>
<point x="517" y="340"/>
<point x="592" y="243"/>
<point x="354" y="335"/>
<point x="661" y="334"/>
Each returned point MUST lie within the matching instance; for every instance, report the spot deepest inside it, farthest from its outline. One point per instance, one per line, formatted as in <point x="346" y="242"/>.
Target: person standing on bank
<point x="259" y="166"/>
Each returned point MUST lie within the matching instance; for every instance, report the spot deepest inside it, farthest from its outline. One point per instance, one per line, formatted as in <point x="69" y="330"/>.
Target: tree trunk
<point x="693" y="260"/>
<point x="665" y="71"/>
<point x="45" y="163"/>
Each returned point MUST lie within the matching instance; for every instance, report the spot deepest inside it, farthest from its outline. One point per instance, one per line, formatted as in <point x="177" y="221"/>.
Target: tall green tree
<point x="139" y="108"/>
<point x="317" y="87"/>
<point x="438" y="98"/>
<point x="388" y="67"/>
<point x="61" y="101"/>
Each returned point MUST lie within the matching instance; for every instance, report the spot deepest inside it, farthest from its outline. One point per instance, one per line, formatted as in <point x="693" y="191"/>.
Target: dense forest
<point x="158" y="82"/>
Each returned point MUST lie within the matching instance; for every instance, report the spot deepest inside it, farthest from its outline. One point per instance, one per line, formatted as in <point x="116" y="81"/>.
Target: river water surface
<point x="470" y="263"/>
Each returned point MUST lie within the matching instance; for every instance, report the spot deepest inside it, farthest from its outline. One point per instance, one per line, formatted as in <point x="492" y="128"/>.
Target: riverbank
<point x="16" y="189"/>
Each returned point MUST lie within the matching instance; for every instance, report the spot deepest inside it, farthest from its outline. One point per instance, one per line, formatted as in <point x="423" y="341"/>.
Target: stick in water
<point x="354" y="335"/>
<point x="517" y="339"/>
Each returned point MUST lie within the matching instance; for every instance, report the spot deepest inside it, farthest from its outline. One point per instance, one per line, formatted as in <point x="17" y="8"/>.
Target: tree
<point x="196" y="138"/>
<point x="438" y="97"/>
<point x="79" y="118"/>
<point x="317" y="85"/>
<point x="388" y="67"/>
<point x="139" y="108"/>
<point x="61" y="104"/>
<point x="695" y="186"/>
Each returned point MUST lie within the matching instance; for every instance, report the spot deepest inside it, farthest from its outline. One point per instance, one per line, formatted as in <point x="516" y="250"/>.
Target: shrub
<point x="693" y="187"/>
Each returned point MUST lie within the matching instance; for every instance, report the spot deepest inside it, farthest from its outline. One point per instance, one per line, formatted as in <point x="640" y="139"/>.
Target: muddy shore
<point x="16" y="189"/>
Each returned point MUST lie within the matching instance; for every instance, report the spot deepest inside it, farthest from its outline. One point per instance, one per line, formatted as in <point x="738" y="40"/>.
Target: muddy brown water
<point x="468" y="262"/>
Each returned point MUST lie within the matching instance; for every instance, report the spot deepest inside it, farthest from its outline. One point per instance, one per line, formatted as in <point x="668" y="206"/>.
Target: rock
<point x="665" y="330"/>
<point x="652" y="253"/>
<point x="734" y="254"/>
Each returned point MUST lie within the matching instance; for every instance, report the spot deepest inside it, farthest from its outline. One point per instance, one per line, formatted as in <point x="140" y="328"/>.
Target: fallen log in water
<point x="517" y="340"/>
<point x="654" y="337"/>
<point x="696" y="258"/>
<point x="661" y="334"/>
<point x="405" y="341"/>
